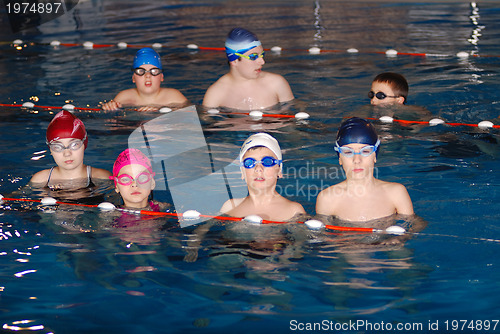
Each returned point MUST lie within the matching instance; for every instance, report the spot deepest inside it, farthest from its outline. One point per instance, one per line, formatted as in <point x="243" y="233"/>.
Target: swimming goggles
<point x="249" y="163"/>
<point x="378" y="95"/>
<point x="74" y="146"/>
<point x="126" y="180"/>
<point x="365" y="151"/>
<point x="253" y="56"/>
<point x="141" y="71"/>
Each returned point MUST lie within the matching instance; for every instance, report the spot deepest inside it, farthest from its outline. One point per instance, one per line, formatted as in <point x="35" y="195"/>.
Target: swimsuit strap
<point x="50" y="174"/>
<point x="89" y="173"/>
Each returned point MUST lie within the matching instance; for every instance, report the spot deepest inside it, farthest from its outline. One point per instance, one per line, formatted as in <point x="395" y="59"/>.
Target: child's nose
<point x="258" y="167"/>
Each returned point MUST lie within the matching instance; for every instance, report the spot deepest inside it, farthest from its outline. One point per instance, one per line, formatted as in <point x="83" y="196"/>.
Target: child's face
<point x="135" y="194"/>
<point x="247" y="68"/>
<point x="147" y="83"/>
<point x="260" y="178"/>
<point x="358" y="167"/>
<point x="385" y="88"/>
<point x="68" y="158"/>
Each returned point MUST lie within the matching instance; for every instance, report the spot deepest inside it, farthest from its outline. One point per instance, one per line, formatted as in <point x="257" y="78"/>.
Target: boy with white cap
<point x="261" y="167"/>
<point x="361" y="197"/>
<point x="246" y="86"/>
<point x="147" y="76"/>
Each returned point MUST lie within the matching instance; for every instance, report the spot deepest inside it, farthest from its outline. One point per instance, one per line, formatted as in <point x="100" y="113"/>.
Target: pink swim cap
<point x="131" y="156"/>
<point x="66" y="125"/>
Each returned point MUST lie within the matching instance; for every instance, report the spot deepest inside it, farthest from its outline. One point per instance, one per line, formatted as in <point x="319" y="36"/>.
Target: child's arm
<point x="111" y="105"/>
<point x="283" y="89"/>
<point x="401" y="199"/>
<point x="120" y="99"/>
<point x="323" y="203"/>
<point x="40" y="177"/>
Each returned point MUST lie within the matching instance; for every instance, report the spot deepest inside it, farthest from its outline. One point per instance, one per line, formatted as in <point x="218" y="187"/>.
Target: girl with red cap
<point x="67" y="140"/>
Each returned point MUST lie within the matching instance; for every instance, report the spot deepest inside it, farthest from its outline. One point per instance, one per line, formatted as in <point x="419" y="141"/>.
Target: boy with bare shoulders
<point x="261" y="167"/>
<point x="246" y="86"/>
<point x="361" y="197"/>
<point x="147" y="76"/>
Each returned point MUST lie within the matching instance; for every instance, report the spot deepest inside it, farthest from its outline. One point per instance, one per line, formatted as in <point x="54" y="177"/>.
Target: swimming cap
<point x="147" y="56"/>
<point x="357" y="130"/>
<point x="261" y="139"/>
<point x="240" y="40"/>
<point x="128" y="157"/>
<point x="66" y="125"/>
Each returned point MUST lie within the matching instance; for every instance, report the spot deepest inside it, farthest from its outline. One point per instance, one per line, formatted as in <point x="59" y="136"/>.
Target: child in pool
<point x="147" y="77"/>
<point x="246" y="86"/>
<point x="388" y="88"/>
<point x="261" y="167"/>
<point x="361" y="197"/>
<point x="134" y="180"/>
<point x="67" y="140"/>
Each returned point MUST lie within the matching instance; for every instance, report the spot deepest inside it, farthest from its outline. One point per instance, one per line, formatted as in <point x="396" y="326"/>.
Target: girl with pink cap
<point x="67" y="140"/>
<point x="134" y="180"/>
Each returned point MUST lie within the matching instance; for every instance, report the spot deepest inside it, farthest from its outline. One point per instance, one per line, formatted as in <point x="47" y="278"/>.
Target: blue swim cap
<point x="240" y="40"/>
<point x="147" y="56"/>
<point x="357" y="130"/>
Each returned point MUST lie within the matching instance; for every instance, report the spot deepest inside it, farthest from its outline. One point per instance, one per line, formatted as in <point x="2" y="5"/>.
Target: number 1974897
<point x="33" y="8"/>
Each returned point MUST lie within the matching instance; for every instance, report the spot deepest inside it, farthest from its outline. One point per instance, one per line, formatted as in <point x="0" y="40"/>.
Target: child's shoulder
<point x="390" y="186"/>
<point x="393" y="189"/>
<point x="231" y="204"/>
<point x="171" y="95"/>
<point x="99" y="173"/>
<point x="333" y="191"/>
<point x="41" y="176"/>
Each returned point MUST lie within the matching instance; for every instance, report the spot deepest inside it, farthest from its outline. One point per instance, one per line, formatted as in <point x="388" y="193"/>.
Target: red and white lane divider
<point x="194" y="215"/>
<point x="19" y="44"/>
<point x="256" y="115"/>
<point x="436" y="121"/>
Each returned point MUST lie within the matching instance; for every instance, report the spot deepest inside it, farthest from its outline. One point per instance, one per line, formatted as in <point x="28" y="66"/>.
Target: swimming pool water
<point x="246" y="278"/>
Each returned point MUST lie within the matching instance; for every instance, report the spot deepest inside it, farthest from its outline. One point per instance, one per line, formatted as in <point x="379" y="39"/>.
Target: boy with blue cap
<point x="246" y="86"/>
<point x="361" y="197"/>
<point x="147" y="76"/>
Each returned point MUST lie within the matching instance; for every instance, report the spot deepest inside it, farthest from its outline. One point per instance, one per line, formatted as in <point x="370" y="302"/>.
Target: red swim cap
<point x="66" y="125"/>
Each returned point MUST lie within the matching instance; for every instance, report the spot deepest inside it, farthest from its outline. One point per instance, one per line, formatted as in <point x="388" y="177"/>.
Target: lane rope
<point x="193" y="215"/>
<point x="19" y="44"/>
<point x="256" y="115"/>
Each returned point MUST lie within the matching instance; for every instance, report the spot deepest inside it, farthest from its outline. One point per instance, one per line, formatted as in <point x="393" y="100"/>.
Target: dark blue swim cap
<point x="240" y="40"/>
<point x="357" y="130"/>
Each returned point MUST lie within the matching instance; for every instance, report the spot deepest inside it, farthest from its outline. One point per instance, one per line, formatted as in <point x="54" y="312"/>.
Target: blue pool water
<point x="272" y="279"/>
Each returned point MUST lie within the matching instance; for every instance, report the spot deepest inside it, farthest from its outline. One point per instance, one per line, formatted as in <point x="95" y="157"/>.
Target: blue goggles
<point x="365" y="151"/>
<point x="266" y="162"/>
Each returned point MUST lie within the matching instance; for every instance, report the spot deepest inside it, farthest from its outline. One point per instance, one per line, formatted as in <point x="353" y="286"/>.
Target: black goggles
<point x="378" y="95"/>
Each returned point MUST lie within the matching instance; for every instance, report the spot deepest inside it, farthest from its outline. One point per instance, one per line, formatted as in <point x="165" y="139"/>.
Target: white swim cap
<point x="261" y="139"/>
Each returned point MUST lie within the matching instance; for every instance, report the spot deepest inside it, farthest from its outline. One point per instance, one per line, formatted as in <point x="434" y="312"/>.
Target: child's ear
<point x="116" y="190"/>
<point x="401" y="100"/>
<point x="153" y="184"/>
<point x="133" y="78"/>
